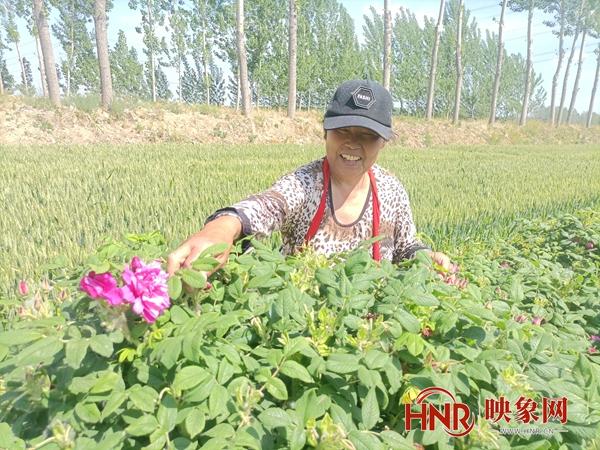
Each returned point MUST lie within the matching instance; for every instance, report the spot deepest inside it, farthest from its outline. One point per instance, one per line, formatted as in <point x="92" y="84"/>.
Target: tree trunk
<point x="591" y="108"/>
<point x="499" y="62"/>
<point x="576" y="84"/>
<point x="46" y="44"/>
<point x="102" y="49"/>
<point x="70" y="58"/>
<point x="41" y="65"/>
<point x="561" y="56"/>
<point x="387" y="44"/>
<point x="568" y="67"/>
<point x="292" y="46"/>
<point x="179" y="77"/>
<point x="238" y="93"/>
<point x="527" y="92"/>
<point x="565" y="79"/>
<point x="436" y="44"/>
<point x="459" y="69"/>
<point x="151" y="51"/>
<point x="23" y="74"/>
<point x="205" y="61"/>
<point x="241" y="45"/>
<point x="1" y="82"/>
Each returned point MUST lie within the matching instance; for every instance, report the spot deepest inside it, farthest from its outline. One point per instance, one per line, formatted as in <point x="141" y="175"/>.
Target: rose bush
<point x="305" y="352"/>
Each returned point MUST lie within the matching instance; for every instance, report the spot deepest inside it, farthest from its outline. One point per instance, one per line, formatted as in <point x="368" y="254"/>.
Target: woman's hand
<point x="442" y="259"/>
<point x="224" y="229"/>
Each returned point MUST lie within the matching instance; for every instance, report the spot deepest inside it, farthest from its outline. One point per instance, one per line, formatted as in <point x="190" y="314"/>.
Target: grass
<point x="63" y="200"/>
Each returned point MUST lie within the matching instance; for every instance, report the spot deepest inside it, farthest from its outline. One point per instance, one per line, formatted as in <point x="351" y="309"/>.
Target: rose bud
<point x="592" y="350"/>
<point x="537" y="321"/>
<point x="23" y="288"/>
<point x="505" y="265"/>
<point x="595" y="338"/>
<point x="426" y="332"/>
<point x="589" y="246"/>
<point x="520" y="318"/>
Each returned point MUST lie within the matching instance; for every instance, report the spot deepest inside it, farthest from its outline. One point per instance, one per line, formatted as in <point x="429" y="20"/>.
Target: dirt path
<point x="22" y="123"/>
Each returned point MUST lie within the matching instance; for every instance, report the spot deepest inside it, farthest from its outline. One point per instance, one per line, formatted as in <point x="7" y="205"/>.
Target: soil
<point x="28" y="124"/>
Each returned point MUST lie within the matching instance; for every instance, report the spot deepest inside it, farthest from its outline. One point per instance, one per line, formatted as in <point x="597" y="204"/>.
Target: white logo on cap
<point x="363" y="97"/>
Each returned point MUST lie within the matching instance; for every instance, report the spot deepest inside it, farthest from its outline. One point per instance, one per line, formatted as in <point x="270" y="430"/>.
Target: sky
<point x="485" y="12"/>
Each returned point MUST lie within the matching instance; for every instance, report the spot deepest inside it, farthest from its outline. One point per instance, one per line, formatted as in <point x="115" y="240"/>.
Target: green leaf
<point x="421" y="298"/>
<point x="143" y="397"/>
<point x="413" y="342"/>
<point x="174" y="286"/>
<point x="339" y="415"/>
<point x="102" y="345"/>
<point x="142" y="426"/>
<point x="195" y="422"/>
<point x="167" y="413"/>
<point x="215" y="444"/>
<point x="189" y="377"/>
<point x="167" y="351"/>
<point x="310" y="406"/>
<point x="298" y="438"/>
<point x="75" y="351"/>
<point x="39" y="352"/>
<point x="88" y="412"/>
<point x="516" y="291"/>
<point x="107" y="382"/>
<point x="294" y="370"/>
<point x="178" y="315"/>
<point x="19" y="337"/>
<point x="396" y="440"/>
<point x="408" y="321"/>
<point x="275" y="417"/>
<point x="8" y="440"/>
<point x="363" y="440"/>
<point x="370" y="410"/>
<point x="375" y="359"/>
<point x="214" y="250"/>
<point x="115" y="400"/>
<point x="217" y="401"/>
<point x="342" y="363"/>
<point x="296" y="345"/>
<point x="276" y="388"/>
<point x="478" y="371"/>
<point x="194" y="279"/>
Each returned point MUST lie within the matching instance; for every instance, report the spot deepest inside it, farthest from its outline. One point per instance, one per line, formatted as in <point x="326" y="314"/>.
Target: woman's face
<point x="351" y="151"/>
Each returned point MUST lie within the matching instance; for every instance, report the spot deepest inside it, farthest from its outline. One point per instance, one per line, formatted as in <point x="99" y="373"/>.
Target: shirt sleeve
<point x="271" y="210"/>
<point x="406" y="243"/>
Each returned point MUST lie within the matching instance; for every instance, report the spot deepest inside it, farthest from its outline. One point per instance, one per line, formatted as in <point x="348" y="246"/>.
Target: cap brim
<point x="331" y="123"/>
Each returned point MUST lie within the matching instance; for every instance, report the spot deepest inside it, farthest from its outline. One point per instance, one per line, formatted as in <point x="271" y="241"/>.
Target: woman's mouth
<point x="350" y="158"/>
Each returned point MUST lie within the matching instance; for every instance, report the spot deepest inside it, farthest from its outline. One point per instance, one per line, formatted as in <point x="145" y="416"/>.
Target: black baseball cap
<point x="361" y="103"/>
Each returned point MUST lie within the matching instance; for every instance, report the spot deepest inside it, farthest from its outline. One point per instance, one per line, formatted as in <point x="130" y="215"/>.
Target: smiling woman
<point x="333" y="203"/>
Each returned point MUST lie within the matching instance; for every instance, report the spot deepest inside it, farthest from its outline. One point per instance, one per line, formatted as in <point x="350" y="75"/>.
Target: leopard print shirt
<point x="291" y="203"/>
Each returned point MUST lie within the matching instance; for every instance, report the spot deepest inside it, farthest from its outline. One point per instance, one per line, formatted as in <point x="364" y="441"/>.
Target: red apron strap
<point x="318" y="218"/>
<point x="316" y="222"/>
<point x="376" y="217"/>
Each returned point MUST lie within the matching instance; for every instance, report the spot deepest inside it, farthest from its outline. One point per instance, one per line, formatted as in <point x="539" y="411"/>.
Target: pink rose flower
<point x="520" y="318"/>
<point x="23" y="288"/>
<point x="145" y="288"/>
<point x="102" y="286"/>
<point x="592" y="350"/>
<point x="595" y="338"/>
<point x="537" y="320"/>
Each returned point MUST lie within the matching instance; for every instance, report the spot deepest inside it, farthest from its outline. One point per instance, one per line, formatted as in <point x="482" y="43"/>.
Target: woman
<point x="332" y="203"/>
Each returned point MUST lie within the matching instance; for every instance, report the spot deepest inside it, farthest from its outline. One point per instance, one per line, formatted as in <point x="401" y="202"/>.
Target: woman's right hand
<point x="222" y="230"/>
